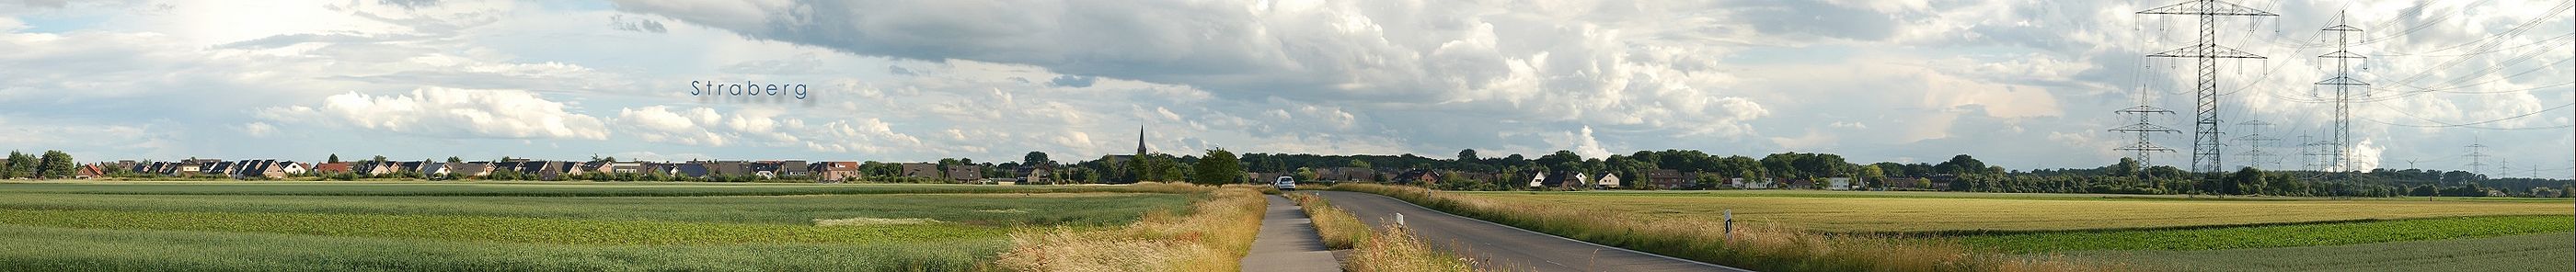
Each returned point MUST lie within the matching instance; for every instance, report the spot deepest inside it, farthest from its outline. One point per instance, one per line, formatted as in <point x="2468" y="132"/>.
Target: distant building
<point x="920" y="170"/>
<point x="1667" y="179"/>
<point x="965" y="172"/>
<point x="836" y="171"/>
<point x="1418" y="176"/>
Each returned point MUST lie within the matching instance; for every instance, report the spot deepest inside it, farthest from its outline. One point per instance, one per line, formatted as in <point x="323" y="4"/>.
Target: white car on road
<point x="1285" y="183"/>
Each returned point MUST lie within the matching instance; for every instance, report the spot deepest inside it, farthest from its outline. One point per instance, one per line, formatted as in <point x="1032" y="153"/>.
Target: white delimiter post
<point x="1399" y="219"/>
<point x="1730" y="226"/>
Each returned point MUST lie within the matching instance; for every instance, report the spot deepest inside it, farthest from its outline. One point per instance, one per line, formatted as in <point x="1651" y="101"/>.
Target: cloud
<point x="446" y="112"/>
<point x="1500" y="60"/>
<point x="258" y="129"/>
<point x="1073" y="81"/>
<point x="619" y="22"/>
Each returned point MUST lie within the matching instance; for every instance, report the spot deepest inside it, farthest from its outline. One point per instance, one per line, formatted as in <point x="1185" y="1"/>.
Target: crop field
<point x="565" y="226"/>
<point x="2156" y="232"/>
<point x="2530" y="252"/>
<point x="1883" y="212"/>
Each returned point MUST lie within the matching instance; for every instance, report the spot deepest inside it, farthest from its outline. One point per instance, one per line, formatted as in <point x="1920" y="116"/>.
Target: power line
<point x="2205" y="153"/>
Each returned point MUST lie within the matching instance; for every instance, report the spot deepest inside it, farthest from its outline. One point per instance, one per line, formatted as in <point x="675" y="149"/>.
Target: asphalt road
<point x="1288" y="242"/>
<point x="1504" y="248"/>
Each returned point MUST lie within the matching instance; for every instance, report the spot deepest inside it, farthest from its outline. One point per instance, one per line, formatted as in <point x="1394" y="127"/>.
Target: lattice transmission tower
<point x="2339" y="157"/>
<point x="2256" y="153"/>
<point x="2205" y="154"/>
<point x="2146" y="129"/>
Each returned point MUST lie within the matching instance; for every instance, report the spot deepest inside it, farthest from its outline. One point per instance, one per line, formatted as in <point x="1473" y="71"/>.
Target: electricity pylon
<point x="2145" y="128"/>
<point x="2340" y="158"/>
<point x="2255" y="143"/>
<point x="2205" y="155"/>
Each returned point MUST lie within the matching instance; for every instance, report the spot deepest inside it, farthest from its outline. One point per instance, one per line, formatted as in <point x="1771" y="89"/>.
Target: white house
<point x="1838" y="184"/>
<point x="1608" y="180"/>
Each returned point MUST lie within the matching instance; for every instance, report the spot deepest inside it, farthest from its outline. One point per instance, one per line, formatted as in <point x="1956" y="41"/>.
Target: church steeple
<point x="1140" y="140"/>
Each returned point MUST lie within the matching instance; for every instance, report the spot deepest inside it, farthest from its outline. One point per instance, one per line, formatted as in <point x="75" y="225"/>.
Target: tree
<point x="380" y="158"/>
<point x="1872" y="174"/>
<point x="2245" y="181"/>
<point x="55" y="165"/>
<point x="20" y="166"/>
<point x="452" y="159"/>
<point x="1305" y="174"/>
<point x="2128" y="167"/>
<point x="1219" y="167"/>
<point x="1961" y="164"/>
<point x="1561" y="160"/>
<point x="1360" y="163"/>
<point x="1035" y="159"/>
<point x="335" y="158"/>
<point x="1467" y="155"/>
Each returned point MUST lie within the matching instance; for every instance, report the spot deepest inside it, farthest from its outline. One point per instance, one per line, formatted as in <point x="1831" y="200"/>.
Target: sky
<point x="2026" y="84"/>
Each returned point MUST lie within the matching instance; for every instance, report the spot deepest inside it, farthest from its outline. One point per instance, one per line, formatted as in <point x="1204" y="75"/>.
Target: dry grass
<point x="1396" y="249"/>
<point x="1393" y="249"/>
<point x="1752" y="246"/>
<point x="1339" y="228"/>
<point x="1215" y="238"/>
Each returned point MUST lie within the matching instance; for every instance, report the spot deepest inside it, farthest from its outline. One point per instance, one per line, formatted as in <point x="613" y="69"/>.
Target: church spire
<point x="1140" y="140"/>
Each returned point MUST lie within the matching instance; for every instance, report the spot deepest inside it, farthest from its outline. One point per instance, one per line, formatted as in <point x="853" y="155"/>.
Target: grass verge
<point x="1764" y="248"/>
<point x="1392" y="249"/>
<point x="1213" y="238"/>
<point x="1340" y="229"/>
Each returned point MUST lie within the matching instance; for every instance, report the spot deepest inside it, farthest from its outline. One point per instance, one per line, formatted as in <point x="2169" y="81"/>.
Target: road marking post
<point x="1730" y="226"/>
<point x="1399" y="219"/>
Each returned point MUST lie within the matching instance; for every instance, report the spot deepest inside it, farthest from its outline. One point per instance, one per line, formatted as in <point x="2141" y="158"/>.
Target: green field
<point x="2531" y="252"/>
<point x="557" y="226"/>
<point x="2269" y="236"/>
<point x="2151" y="231"/>
<point x="1908" y="212"/>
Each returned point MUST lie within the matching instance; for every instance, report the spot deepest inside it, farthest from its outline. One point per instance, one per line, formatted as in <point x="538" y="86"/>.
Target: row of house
<point x="239" y="169"/>
<point x="539" y="169"/>
<point x="1658" y="178"/>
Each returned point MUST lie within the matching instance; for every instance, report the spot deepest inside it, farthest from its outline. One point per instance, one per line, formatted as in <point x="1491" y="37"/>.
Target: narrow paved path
<point x="1504" y="248"/>
<point x="1288" y="242"/>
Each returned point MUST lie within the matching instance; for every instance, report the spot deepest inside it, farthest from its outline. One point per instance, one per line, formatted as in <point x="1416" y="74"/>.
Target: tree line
<point x="54" y="164"/>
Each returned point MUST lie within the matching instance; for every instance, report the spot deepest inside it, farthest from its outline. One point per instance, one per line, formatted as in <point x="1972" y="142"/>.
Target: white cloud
<point x="258" y="129"/>
<point x="445" y="112"/>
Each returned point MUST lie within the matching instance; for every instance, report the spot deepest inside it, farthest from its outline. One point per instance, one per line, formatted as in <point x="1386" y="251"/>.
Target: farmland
<point x="575" y="226"/>
<point x="1952" y="212"/>
<point x="2156" y="232"/>
<point x="2530" y="252"/>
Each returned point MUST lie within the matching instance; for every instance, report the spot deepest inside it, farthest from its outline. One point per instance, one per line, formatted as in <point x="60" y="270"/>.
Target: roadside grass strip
<point x="1340" y="229"/>
<point x="1755" y="247"/>
<point x="1392" y="249"/>
<point x="2271" y="236"/>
